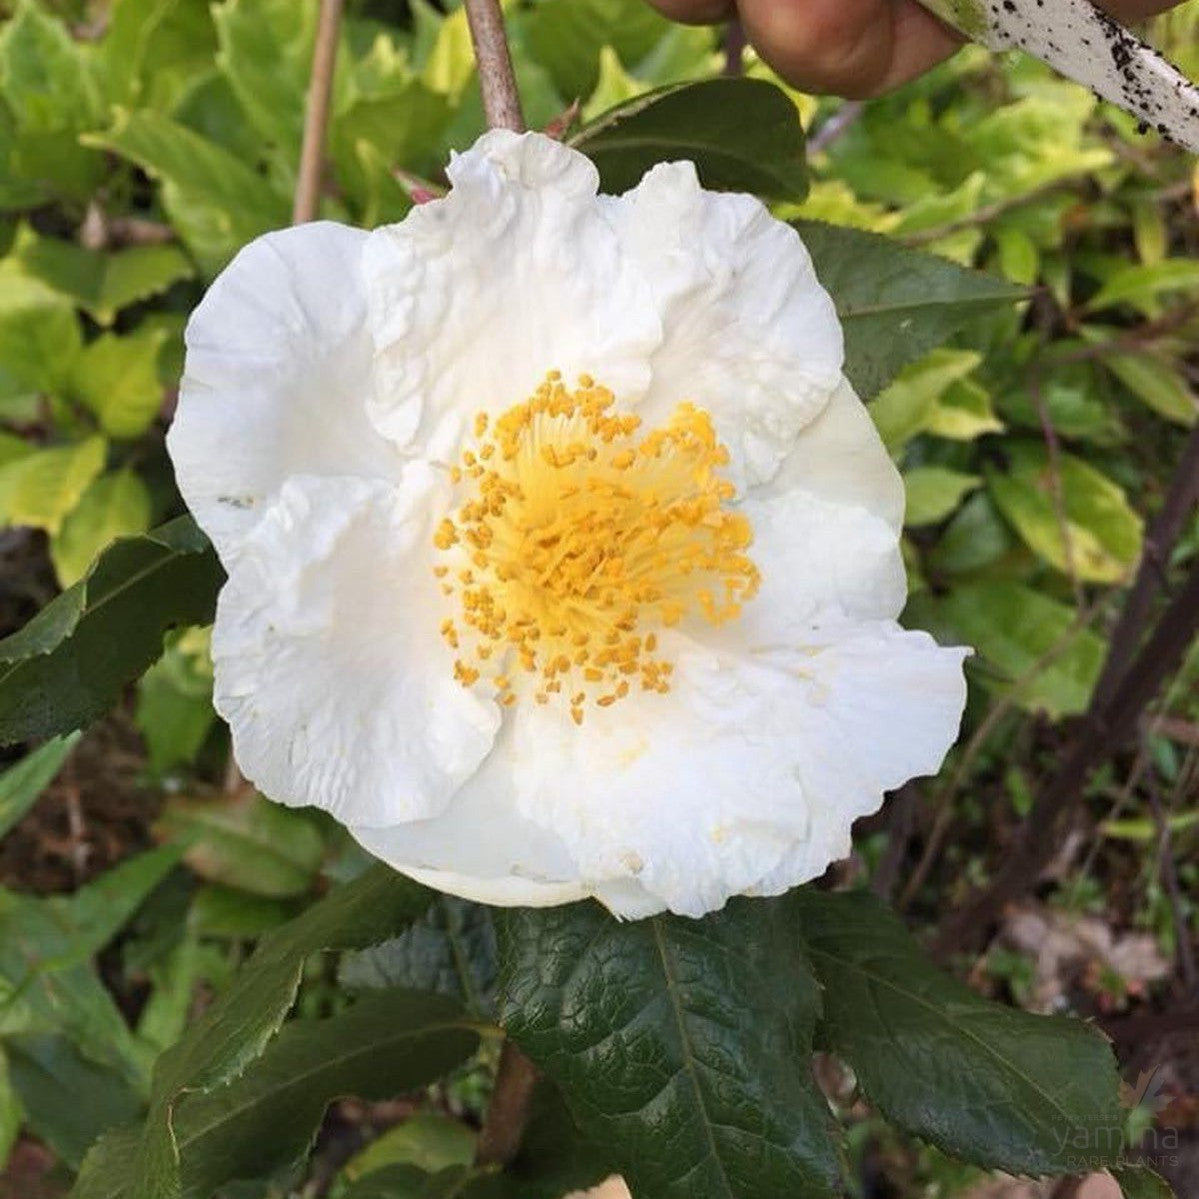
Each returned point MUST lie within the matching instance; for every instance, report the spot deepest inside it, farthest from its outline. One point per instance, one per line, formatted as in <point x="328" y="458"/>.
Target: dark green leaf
<point x="895" y="304"/>
<point x="682" y="1046"/>
<point x="68" y="664"/>
<point x="742" y="135"/>
<point x="20" y="785"/>
<point x="237" y="1028"/>
<point x="450" y="950"/>
<point x="986" y="1083"/>
<point x="68" y="1100"/>
<point x="102" y="282"/>
<point x="388" y="1043"/>
<point x="1140" y="1182"/>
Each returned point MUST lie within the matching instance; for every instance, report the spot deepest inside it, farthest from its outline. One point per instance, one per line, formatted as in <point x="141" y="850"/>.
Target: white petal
<point x="881" y="705"/>
<point x="329" y="664"/>
<point x="748" y="774"/>
<point x="276" y="377"/>
<point x="480" y="847"/>
<point x="691" y="795"/>
<point x="826" y="531"/>
<point x="474" y="298"/>
<point x="748" y="332"/>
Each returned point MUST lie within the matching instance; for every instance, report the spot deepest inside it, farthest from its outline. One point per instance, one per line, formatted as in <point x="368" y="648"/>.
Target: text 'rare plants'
<point x="562" y="559"/>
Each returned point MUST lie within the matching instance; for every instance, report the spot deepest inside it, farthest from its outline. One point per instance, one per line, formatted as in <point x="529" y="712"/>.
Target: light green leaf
<point x="39" y="340"/>
<point x="1143" y="284"/>
<point x="933" y="492"/>
<point x="614" y="86"/>
<point x="266" y="53"/>
<point x="215" y="200"/>
<point x="909" y="405"/>
<point x="11" y="1114"/>
<point x="895" y="304"/>
<point x="20" y="785"/>
<point x="963" y="412"/>
<point x="742" y="134"/>
<point x="1022" y="636"/>
<point x="116" y="376"/>
<point x="115" y="505"/>
<point x="40" y="488"/>
<point x="1158" y="382"/>
<point x="69" y="663"/>
<point x="174" y="702"/>
<point x="48" y="84"/>
<point x="245" y="842"/>
<point x="681" y="1045"/>
<point x="1104" y="530"/>
<point x="427" y="1140"/>
<point x="989" y="1084"/>
<point x="100" y="282"/>
<point x="568" y="36"/>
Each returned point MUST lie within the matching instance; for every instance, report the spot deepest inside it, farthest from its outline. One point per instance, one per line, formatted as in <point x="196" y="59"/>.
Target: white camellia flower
<point x="562" y="559"/>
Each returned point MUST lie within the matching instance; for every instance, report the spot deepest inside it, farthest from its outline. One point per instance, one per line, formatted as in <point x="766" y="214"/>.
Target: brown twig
<point x="316" y="117"/>
<point x="1106" y="727"/>
<point x="944" y="802"/>
<point x="497" y="82"/>
<point x="508" y="1110"/>
<point x="1169" y="877"/>
<point x="734" y="48"/>
<point x="1163" y="532"/>
<point x="843" y="119"/>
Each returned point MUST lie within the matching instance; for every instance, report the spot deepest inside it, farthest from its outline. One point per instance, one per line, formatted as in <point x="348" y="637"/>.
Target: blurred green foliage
<point x="143" y="142"/>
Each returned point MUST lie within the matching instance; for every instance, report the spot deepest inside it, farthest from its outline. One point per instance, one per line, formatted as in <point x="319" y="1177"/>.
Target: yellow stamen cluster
<point x="580" y="539"/>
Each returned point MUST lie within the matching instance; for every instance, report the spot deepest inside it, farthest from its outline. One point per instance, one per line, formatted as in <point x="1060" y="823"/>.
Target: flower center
<point x="580" y="539"/>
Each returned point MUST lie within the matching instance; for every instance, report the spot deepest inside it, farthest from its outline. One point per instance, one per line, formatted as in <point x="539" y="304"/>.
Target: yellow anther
<point x="582" y="537"/>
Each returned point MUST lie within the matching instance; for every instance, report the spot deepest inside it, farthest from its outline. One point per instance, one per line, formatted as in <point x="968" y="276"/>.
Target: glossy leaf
<point x="895" y="304"/>
<point x="449" y="950"/>
<point x="989" y="1084"/>
<point x="680" y="1045"/>
<point x="387" y="1044"/>
<point x="68" y="664"/>
<point x="742" y="135"/>
<point x="238" y="1026"/>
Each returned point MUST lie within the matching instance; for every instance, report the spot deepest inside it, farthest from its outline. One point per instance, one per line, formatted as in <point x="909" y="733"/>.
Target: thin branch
<point x="508" y="1110"/>
<point x="316" y="117"/>
<point x="1169" y="876"/>
<point x="944" y="801"/>
<point x="843" y="119"/>
<point x="1163" y="532"/>
<point x="734" y="48"/>
<point x="1104" y="729"/>
<point x="497" y="82"/>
